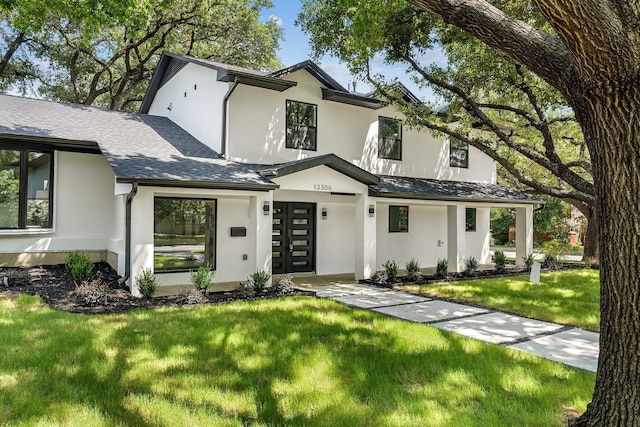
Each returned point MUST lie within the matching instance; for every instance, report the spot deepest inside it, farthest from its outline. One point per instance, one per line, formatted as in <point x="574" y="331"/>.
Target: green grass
<point x="293" y="361"/>
<point x="567" y="297"/>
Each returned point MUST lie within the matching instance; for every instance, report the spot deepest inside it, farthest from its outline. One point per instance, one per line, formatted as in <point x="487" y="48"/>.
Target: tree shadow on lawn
<point x="293" y="361"/>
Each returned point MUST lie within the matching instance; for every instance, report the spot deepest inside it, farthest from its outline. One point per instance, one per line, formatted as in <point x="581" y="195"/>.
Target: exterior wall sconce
<point x="170" y="106"/>
<point x="266" y="208"/>
<point x="324" y="213"/>
<point x="372" y="211"/>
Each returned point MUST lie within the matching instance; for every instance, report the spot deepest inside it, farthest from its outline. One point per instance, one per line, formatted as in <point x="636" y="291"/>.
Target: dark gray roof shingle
<point x="434" y="189"/>
<point x="137" y="146"/>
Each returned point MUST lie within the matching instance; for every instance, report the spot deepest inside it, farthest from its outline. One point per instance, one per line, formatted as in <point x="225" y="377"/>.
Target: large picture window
<point x="398" y="219"/>
<point x="26" y="177"/>
<point x="458" y="153"/>
<point x="389" y="138"/>
<point x="302" y="125"/>
<point x="184" y="233"/>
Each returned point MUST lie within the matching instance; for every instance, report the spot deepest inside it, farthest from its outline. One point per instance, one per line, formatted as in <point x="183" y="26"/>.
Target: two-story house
<point x="289" y="172"/>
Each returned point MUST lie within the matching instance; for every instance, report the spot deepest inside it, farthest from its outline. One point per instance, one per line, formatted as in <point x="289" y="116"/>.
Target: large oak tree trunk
<point x="611" y="123"/>
<point x="591" y="240"/>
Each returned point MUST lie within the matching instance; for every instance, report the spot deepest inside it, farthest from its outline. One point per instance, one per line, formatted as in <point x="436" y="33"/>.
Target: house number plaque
<point x="321" y="187"/>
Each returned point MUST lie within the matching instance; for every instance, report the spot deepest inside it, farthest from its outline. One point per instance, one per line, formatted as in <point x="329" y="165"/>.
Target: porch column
<point x="456" y="238"/>
<point x="262" y="224"/>
<point x="365" y="233"/>
<point x="524" y="233"/>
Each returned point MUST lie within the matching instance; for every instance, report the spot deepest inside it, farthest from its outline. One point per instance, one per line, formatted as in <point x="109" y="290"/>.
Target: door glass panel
<point x="301" y="211"/>
<point x="276" y="254"/>
<point x="276" y="232"/>
<point x="299" y="242"/>
<point x="299" y="232"/>
<point x="277" y="221"/>
<point x="275" y="243"/>
<point x="299" y="263"/>
<point x="300" y="221"/>
<point x="299" y="253"/>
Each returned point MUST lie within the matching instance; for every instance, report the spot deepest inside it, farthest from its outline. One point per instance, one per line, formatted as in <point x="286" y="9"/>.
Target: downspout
<point x="225" y="102"/>
<point x="127" y="231"/>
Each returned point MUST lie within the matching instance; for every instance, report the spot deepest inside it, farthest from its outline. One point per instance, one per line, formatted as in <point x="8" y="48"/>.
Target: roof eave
<point x="352" y="99"/>
<point x="265" y="82"/>
<point x="211" y="185"/>
<point x="399" y="195"/>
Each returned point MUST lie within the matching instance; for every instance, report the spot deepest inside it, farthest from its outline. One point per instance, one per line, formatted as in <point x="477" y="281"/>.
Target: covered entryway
<point x="294" y="235"/>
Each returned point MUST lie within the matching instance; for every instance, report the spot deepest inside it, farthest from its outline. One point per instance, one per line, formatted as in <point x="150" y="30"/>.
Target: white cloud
<point x="276" y="19"/>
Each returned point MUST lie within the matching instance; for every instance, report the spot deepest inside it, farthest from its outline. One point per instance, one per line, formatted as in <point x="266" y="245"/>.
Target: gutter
<point x="225" y="102"/>
<point x="127" y="242"/>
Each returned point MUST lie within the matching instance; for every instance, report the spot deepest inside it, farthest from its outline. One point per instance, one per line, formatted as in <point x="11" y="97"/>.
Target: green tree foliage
<point x="107" y="63"/>
<point x="498" y="106"/>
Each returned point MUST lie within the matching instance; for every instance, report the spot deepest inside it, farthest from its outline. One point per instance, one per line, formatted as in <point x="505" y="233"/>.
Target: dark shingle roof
<point x="137" y="146"/>
<point x="433" y="189"/>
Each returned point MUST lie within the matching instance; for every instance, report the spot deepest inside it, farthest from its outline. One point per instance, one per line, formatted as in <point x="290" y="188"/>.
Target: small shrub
<point x="202" y="278"/>
<point x="470" y="265"/>
<point x="191" y="296"/>
<point x="79" y="265"/>
<point x="528" y="261"/>
<point x="592" y="262"/>
<point x="380" y="278"/>
<point x="147" y="283"/>
<point x="413" y="270"/>
<point x="285" y="285"/>
<point x="258" y="280"/>
<point x="18" y="277"/>
<point x="391" y="268"/>
<point x="500" y="260"/>
<point x="92" y="292"/>
<point x="442" y="267"/>
<point x="550" y="261"/>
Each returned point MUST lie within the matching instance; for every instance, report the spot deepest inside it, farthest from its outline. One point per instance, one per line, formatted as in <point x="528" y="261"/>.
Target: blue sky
<point x="295" y="48"/>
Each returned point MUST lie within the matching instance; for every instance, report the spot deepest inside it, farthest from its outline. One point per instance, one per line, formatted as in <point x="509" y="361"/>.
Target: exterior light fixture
<point x="324" y="213"/>
<point x="372" y="211"/>
<point x="170" y="106"/>
<point x="266" y="208"/>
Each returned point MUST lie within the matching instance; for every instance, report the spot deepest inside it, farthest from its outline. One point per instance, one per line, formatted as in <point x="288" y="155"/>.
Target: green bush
<point x="558" y="248"/>
<point x="500" y="260"/>
<point x="202" y="278"/>
<point x="528" y="261"/>
<point x="258" y="280"/>
<point x="470" y="265"/>
<point x="147" y="283"/>
<point x="391" y="268"/>
<point x="79" y="265"/>
<point x="550" y="261"/>
<point x="442" y="267"/>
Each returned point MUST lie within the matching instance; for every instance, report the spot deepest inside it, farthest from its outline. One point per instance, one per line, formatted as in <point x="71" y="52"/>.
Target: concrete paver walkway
<point x="571" y="346"/>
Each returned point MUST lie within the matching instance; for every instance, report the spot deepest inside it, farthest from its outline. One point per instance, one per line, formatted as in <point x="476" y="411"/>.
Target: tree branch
<point x="539" y="51"/>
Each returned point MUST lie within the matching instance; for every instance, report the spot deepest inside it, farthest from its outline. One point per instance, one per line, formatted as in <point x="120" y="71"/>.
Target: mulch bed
<point x="54" y="284"/>
<point x="480" y="274"/>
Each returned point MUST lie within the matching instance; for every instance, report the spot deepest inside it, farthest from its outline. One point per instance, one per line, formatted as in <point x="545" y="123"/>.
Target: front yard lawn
<point x="288" y="361"/>
<point x="567" y="297"/>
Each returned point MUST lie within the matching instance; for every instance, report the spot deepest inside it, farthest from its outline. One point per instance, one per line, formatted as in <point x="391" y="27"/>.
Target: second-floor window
<point x="302" y="125"/>
<point x="458" y="153"/>
<point x="389" y="138"/>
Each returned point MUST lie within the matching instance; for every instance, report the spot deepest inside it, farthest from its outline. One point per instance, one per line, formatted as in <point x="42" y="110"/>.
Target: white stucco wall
<point x="257" y="134"/>
<point x="196" y="103"/>
<point x="85" y="209"/>
<point x="427" y="225"/>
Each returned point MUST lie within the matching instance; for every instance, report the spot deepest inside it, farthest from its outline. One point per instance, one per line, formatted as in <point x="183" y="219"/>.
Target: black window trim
<point x="215" y="231"/>
<point x="398" y="231"/>
<point x="24" y="149"/>
<point x="315" y="128"/>
<point x="466" y="165"/>
<point x="397" y="140"/>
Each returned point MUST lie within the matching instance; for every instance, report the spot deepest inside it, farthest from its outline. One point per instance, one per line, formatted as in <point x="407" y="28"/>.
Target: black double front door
<point x="293" y="238"/>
